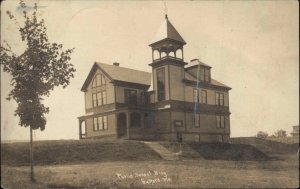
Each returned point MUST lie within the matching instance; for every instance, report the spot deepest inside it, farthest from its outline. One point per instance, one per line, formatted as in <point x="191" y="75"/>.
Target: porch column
<point x="80" y="134"/>
<point x="128" y="123"/>
<point x="143" y="123"/>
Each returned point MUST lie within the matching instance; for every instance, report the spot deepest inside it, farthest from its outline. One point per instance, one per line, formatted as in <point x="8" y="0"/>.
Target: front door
<point x="179" y="137"/>
<point x="121" y="125"/>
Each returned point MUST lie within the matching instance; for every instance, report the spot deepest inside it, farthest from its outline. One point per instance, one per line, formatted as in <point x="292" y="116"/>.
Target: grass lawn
<point x="131" y="164"/>
<point x="158" y="174"/>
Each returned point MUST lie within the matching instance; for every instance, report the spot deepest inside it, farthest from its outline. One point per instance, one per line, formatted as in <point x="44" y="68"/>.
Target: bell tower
<point x="168" y="63"/>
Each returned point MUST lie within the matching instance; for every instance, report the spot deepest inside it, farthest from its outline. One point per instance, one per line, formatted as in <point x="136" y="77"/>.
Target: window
<point x="204" y="96"/>
<point x="207" y="75"/>
<point x="219" y="99"/>
<point x="96" y="128"/>
<point x="99" y="90"/>
<point x="130" y="96"/>
<point x="95" y="100"/>
<point x="160" y="77"/>
<point x="99" y="80"/>
<point x="204" y="74"/>
<point x="144" y="98"/>
<point x="220" y="122"/>
<point x="104" y="122"/>
<point x="196" y="95"/>
<point x="197" y="120"/>
<point x="100" y="123"/>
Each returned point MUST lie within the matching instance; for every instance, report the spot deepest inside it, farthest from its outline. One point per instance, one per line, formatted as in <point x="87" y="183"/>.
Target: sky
<point x="252" y="46"/>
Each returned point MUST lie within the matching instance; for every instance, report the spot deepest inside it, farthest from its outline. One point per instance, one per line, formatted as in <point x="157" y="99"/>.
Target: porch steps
<point x="162" y="151"/>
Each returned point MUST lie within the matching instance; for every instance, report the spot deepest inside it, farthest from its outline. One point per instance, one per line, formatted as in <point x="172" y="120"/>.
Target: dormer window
<point x="99" y="90"/>
<point x="204" y="74"/>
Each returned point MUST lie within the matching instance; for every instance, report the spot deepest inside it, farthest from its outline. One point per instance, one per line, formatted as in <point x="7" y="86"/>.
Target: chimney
<point x="116" y="63"/>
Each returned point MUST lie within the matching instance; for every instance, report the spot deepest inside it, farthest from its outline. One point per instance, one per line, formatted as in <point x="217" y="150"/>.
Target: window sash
<point x="220" y="99"/>
<point x="95" y="124"/>
<point x="104" y="97"/>
<point x="204" y="96"/>
<point x="207" y="75"/>
<point x="202" y="74"/>
<point x="94" y="100"/>
<point x="100" y="123"/>
<point x="196" y="95"/>
<point x="99" y="99"/>
<point x="220" y="122"/>
<point x="104" y="122"/>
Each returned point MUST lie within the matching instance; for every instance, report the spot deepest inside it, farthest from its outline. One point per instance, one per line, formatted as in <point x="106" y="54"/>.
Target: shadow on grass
<point x="235" y="152"/>
<point x="221" y="151"/>
<point x="64" y="152"/>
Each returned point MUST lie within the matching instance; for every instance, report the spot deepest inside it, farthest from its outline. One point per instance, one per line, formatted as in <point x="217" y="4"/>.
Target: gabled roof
<point x="167" y="31"/>
<point x="117" y="73"/>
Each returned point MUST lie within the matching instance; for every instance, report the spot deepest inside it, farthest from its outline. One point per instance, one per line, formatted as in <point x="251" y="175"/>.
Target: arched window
<point x="99" y="90"/>
<point x="179" y="54"/>
<point x="172" y="54"/>
<point x="156" y="55"/>
<point x="163" y="54"/>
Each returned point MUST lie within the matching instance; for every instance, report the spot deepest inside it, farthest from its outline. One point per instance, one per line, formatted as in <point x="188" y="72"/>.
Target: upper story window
<point x="144" y="98"/>
<point x="204" y="96"/>
<point x="204" y="74"/>
<point x="100" y="123"/>
<point x="130" y="96"/>
<point x="196" y="95"/>
<point x="160" y="77"/>
<point x="220" y="122"/>
<point x="219" y="99"/>
<point x="99" y="90"/>
<point x="99" y="80"/>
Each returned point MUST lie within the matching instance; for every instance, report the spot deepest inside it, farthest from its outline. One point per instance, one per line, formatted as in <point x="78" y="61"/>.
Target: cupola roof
<point x="167" y="31"/>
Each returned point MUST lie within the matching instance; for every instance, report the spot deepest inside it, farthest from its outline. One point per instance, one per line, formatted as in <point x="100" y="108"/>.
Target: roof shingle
<point x="126" y="74"/>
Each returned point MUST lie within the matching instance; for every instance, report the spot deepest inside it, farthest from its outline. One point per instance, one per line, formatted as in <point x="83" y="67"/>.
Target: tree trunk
<point x="31" y="157"/>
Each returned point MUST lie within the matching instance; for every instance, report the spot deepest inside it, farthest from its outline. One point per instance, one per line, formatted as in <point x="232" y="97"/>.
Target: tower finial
<point x="166" y="11"/>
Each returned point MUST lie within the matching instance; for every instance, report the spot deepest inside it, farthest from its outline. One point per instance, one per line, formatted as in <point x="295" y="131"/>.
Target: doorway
<point x="121" y="125"/>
